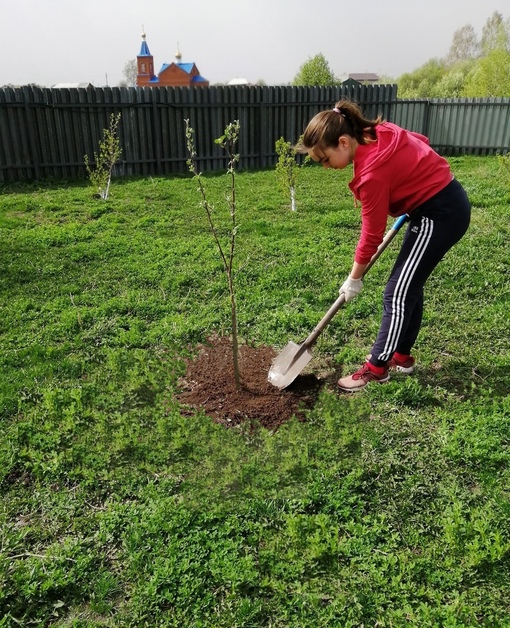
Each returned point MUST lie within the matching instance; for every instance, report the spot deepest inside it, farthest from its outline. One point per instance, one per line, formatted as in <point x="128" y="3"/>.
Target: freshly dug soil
<point x="209" y="384"/>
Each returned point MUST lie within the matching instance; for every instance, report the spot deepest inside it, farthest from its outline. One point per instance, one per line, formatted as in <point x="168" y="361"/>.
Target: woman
<point x="395" y="172"/>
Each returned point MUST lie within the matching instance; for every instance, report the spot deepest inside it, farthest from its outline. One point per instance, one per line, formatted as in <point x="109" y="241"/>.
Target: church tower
<point x="145" y="64"/>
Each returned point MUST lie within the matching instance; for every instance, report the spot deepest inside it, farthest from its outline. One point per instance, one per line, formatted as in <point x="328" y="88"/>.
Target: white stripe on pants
<point x="402" y="287"/>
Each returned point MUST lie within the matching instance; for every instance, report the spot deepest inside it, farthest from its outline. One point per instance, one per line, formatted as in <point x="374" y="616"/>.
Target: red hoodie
<point x="393" y="175"/>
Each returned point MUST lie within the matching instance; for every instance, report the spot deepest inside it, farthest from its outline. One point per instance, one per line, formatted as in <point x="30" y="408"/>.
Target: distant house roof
<point x="363" y="77"/>
<point x="71" y="85"/>
<point x="238" y="81"/>
<point x="350" y="81"/>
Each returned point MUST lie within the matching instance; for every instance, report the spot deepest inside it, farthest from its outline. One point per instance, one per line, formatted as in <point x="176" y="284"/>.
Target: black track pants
<point x="434" y="228"/>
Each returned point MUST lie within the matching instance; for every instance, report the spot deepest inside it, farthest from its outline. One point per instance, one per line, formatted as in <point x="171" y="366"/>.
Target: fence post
<point x="156" y="130"/>
<point x="426" y="118"/>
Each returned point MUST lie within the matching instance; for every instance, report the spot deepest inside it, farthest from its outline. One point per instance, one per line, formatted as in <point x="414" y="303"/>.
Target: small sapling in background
<point x="228" y="141"/>
<point x="100" y="174"/>
<point x="504" y="161"/>
<point x="287" y="169"/>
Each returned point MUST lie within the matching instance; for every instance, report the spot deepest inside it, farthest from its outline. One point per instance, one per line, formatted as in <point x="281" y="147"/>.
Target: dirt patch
<point x="209" y="384"/>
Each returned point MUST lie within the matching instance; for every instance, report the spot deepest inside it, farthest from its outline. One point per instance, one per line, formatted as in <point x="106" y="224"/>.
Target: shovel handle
<point x="387" y="239"/>
<point x="341" y="299"/>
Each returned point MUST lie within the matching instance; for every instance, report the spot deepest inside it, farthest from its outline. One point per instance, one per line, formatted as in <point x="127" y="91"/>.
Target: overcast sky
<point x="61" y="41"/>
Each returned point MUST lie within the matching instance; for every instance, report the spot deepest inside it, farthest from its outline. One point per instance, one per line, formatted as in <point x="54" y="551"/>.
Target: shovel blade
<point x="288" y="364"/>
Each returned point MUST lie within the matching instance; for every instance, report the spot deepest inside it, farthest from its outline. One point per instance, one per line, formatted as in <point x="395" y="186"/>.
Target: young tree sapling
<point x="109" y="152"/>
<point x="228" y="142"/>
<point x="287" y="168"/>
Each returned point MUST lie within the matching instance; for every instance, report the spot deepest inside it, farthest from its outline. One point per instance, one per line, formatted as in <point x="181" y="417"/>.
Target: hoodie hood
<point x="369" y="157"/>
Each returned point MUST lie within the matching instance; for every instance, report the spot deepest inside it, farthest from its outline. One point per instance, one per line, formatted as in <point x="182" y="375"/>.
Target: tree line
<point x="473" y="68"/>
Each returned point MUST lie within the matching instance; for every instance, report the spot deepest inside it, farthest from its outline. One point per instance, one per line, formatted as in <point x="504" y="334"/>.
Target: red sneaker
<point x="402" y="363"/>
<point x="362" y="377"/>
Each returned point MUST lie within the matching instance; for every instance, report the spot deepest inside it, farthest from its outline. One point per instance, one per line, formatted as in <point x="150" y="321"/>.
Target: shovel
<point x="293" y="358"/>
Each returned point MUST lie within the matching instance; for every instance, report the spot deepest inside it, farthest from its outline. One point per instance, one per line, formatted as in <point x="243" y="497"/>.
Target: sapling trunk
<point x="228" y="142"/>
<point x="293" y="198"/>
<point x="231" y="134"/>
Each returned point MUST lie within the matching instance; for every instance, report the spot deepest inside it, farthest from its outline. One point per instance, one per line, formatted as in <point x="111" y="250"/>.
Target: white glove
<point x="350" y="288"/>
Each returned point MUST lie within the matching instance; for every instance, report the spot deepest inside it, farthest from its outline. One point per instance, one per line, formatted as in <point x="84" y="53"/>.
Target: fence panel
<point x="412" y="115"/>
<point x="45" y="133"/>
<point x="478" y="126"/>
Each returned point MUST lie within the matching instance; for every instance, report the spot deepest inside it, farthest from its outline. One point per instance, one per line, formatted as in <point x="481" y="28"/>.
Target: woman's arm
<point x="357" y="270"/>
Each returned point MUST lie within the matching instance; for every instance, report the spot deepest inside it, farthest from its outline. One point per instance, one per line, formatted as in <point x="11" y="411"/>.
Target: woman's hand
<point x="350" y="288"/>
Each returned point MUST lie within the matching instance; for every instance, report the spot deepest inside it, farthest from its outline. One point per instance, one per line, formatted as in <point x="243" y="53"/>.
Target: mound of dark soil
<point x="209" y="384"/>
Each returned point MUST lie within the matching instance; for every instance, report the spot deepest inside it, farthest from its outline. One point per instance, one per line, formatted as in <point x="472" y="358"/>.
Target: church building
<point x="175" y="74"/>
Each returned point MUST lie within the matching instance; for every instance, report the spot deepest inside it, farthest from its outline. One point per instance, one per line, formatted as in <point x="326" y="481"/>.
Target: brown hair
<point x="346" y="118"/>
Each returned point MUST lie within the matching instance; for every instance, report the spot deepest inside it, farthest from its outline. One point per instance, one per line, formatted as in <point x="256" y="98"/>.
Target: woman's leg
<point x="433" y="229"/>
<point x="438" y="225"/>
<point x="409" y="335"/>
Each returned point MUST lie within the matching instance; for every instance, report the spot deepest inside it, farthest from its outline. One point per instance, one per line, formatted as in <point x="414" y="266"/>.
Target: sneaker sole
<point x="353" y="390"/>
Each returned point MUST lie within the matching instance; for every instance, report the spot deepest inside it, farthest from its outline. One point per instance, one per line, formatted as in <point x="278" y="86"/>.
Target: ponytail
<point x="346" y="118"/>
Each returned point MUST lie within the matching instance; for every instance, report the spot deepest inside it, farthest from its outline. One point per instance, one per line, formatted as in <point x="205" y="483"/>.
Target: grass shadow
<point x="467" y="381"/>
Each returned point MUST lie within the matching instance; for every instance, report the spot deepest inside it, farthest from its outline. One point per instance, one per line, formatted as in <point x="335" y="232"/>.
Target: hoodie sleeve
<point x="374" y="196"/>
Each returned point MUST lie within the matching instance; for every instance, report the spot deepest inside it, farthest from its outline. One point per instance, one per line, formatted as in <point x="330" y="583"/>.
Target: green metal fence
<point x="45" y="133"/>
<point x="458" y="126"/>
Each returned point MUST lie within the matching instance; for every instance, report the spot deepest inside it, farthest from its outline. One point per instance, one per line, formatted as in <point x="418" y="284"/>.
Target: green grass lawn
<point x="387" y="508"/>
